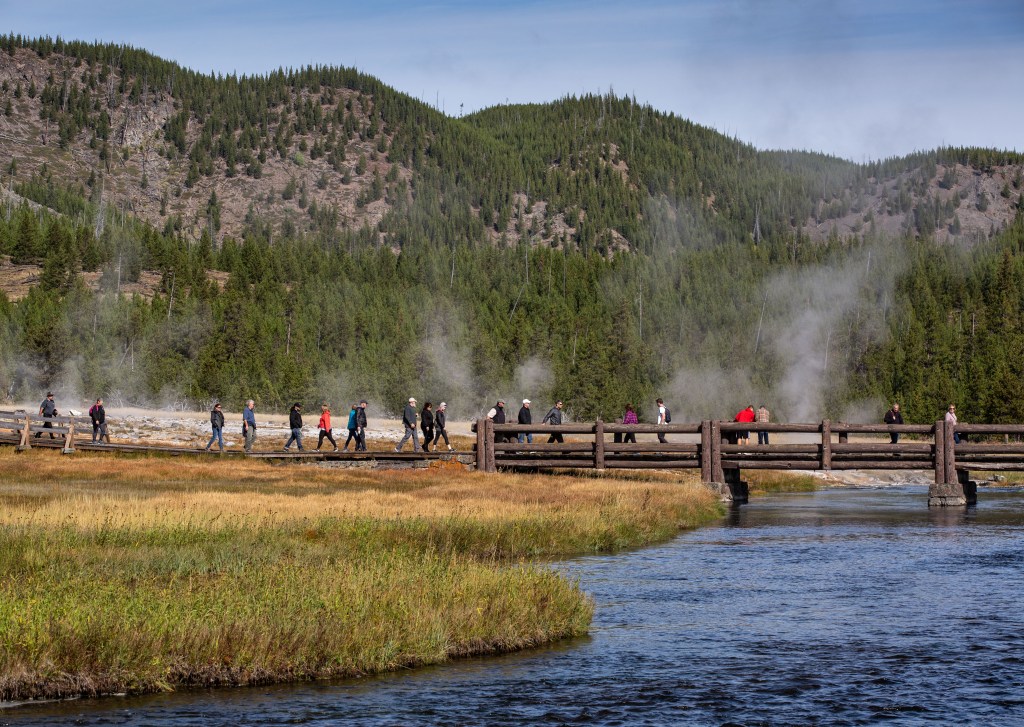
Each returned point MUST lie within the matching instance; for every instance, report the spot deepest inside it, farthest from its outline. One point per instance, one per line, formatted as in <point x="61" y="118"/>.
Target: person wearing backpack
<point x="664" y="417"/>
<point x="353" y="427"/>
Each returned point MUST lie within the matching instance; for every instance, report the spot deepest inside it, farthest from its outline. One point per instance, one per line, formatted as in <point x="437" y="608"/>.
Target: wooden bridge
<point x="710" y="446"/>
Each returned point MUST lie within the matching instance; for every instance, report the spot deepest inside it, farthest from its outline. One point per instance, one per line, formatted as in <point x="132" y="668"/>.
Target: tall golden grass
<point x="134" y="574"/>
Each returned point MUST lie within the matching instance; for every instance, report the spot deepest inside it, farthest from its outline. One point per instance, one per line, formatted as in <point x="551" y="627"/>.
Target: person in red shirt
<point x="325" y="428"/>
<point x="746" y="416"/>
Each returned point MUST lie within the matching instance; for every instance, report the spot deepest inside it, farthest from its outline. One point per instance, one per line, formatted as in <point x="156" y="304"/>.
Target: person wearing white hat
<point x="440" y="418"/>
<point x="409" y="421"/>
<point x="525" y="417"/>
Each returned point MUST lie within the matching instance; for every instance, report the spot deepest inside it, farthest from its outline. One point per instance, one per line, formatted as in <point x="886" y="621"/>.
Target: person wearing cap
<point x="295" y="424"/>
<point x="47" y="409"/>
<point x="409" y="422"/>
<point x="497" y="415"/>
<point x="217" y="425"/>
<point x="525" y="417"/>
<point x="440" y="421"/>
<point x="361" y="427"/>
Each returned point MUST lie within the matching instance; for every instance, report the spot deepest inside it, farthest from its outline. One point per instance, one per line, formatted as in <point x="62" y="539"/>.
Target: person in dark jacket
<point x="295" y="424"/>
<point x="325" y="428"/>
<point x="440" y="422"/>
<point x="497" y="415"/>
<point x="47" y="409"/>
<point x="525" y="417"/>
<point x="409" y="422"/>
<point x="99" y="422"/>
<point x="893" y="416"/>
<point x="361" y="427"/>
<point x="554" y="417"/>
<point x="217" y="425"/>
<point x="427" y="425"/>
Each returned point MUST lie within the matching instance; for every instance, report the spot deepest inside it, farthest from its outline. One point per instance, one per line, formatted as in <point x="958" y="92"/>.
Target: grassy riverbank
<point x="134" y="574"/>
<point x="767" y="481"/>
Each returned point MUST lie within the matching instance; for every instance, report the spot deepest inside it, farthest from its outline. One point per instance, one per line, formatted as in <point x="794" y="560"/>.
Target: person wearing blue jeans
<point x="525" y="417"/>
<point x="295" y="423"/>
<point x="217" y="424"/>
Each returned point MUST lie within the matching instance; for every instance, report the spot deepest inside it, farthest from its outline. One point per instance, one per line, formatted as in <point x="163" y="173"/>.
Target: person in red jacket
<point x="746" y="416"/>
<point x="325" y="428"/>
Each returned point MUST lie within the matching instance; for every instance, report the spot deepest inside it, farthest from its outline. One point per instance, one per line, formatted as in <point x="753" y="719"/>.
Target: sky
<point x="860" y="79"/>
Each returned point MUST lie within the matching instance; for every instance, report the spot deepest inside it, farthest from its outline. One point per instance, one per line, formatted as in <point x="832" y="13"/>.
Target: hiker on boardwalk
<point x="427" y="425"/>
<point x="951" y="421"/>
<point x="409" y="422"/>
<point x="217" y="425"/>
<point x="99" y="422"/>
<point x="361" y="427"/>
<point x="630" y="418"/>
<point x="744" y="416"/>
<point x="763" y="417"/>
<point x="893" y="416"/>
<point x="440" y="423"/>
<point x="554" y="417"/>
<point x="664" y="417"/>
<point x="325" y="428"/>
<point x="295" y="424"/>
<point x="353" y="427"/>
<point x="249" y="424"/>
<point x="47" y="409"/>
<point x="497" y="415"/>
<point x="525" y="417"/>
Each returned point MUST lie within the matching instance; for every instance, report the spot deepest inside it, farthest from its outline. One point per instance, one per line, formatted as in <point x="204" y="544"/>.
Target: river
<point x="844" y="606"/>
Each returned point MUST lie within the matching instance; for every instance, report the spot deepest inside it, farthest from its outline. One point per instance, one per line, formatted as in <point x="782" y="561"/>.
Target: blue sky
<point x="863" y="80"/>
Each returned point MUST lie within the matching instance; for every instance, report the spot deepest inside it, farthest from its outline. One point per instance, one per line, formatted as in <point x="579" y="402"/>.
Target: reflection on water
<point x="843" y="606"/>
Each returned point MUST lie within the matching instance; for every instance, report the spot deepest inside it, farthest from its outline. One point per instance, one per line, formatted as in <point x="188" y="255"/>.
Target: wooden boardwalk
<point x="75" y="433"/>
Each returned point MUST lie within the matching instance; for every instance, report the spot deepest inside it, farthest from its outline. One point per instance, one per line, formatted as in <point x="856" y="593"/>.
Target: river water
<point x="836" y="607"/>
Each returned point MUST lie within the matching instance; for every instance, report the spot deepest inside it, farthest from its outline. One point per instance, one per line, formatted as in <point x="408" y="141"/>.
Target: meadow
<point x="128" y="574"/>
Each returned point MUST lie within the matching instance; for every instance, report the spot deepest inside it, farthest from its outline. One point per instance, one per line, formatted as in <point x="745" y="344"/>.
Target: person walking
<point x="554" y="418"/>
<point x="217" y="425"/>
<point x="325" y="428"/>
<point x="525" y="417"/>
<point x="353" y="427"/>
<point x="440" y="424"/>
<point x="427" y="425"/>
<point x="361" y="427"/>
<point x="99" y="422"/>
<point x="47" y="409"/>
<point x="295" y="424"/>
<point x="893" y="416"/>
<point x="249" y="424"/>
<point x="763" y="417"/>
<point x="664" y="417"/>
<point x="951" y="420"/>
<point x="497" y="415"/>
<point x="409" y="422"/>
<point x="630" y="418"/>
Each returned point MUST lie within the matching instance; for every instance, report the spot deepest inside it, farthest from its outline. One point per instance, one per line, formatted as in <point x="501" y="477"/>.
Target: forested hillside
<point x="314" y="234"/>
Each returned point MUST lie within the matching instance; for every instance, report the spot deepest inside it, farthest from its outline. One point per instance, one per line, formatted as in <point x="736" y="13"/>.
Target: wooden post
<point x="717" y="475"/>
<point x="949" y="455"/>
<point x="489" y="466"/>
<point x="826" y="444"/>
<point x="481" y="457"/>
<point x="940" y="452"/>
<point x="705" y="451"/>
<point x="69" y="441"/>
<point x="599" y="445"/>
<point x="26" y="434"/>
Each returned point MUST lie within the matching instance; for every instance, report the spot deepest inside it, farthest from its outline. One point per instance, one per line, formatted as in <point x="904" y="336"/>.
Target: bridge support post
<point x="480" y="456"/>
<point x="952" y="488"/>
<point x="69" y="441"/>
<point x="705" y="452"/>
<point x="489" y="465"/>
<point x="599" y="445"/>
<point x="26" y="435"/>
<point x="733" y="490"/>
<point x="826" y="445"/>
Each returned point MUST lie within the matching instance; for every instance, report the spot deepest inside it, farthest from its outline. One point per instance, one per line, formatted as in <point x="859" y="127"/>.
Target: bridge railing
<point x="712" y="447"/>
<point x="24" y="429"/>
